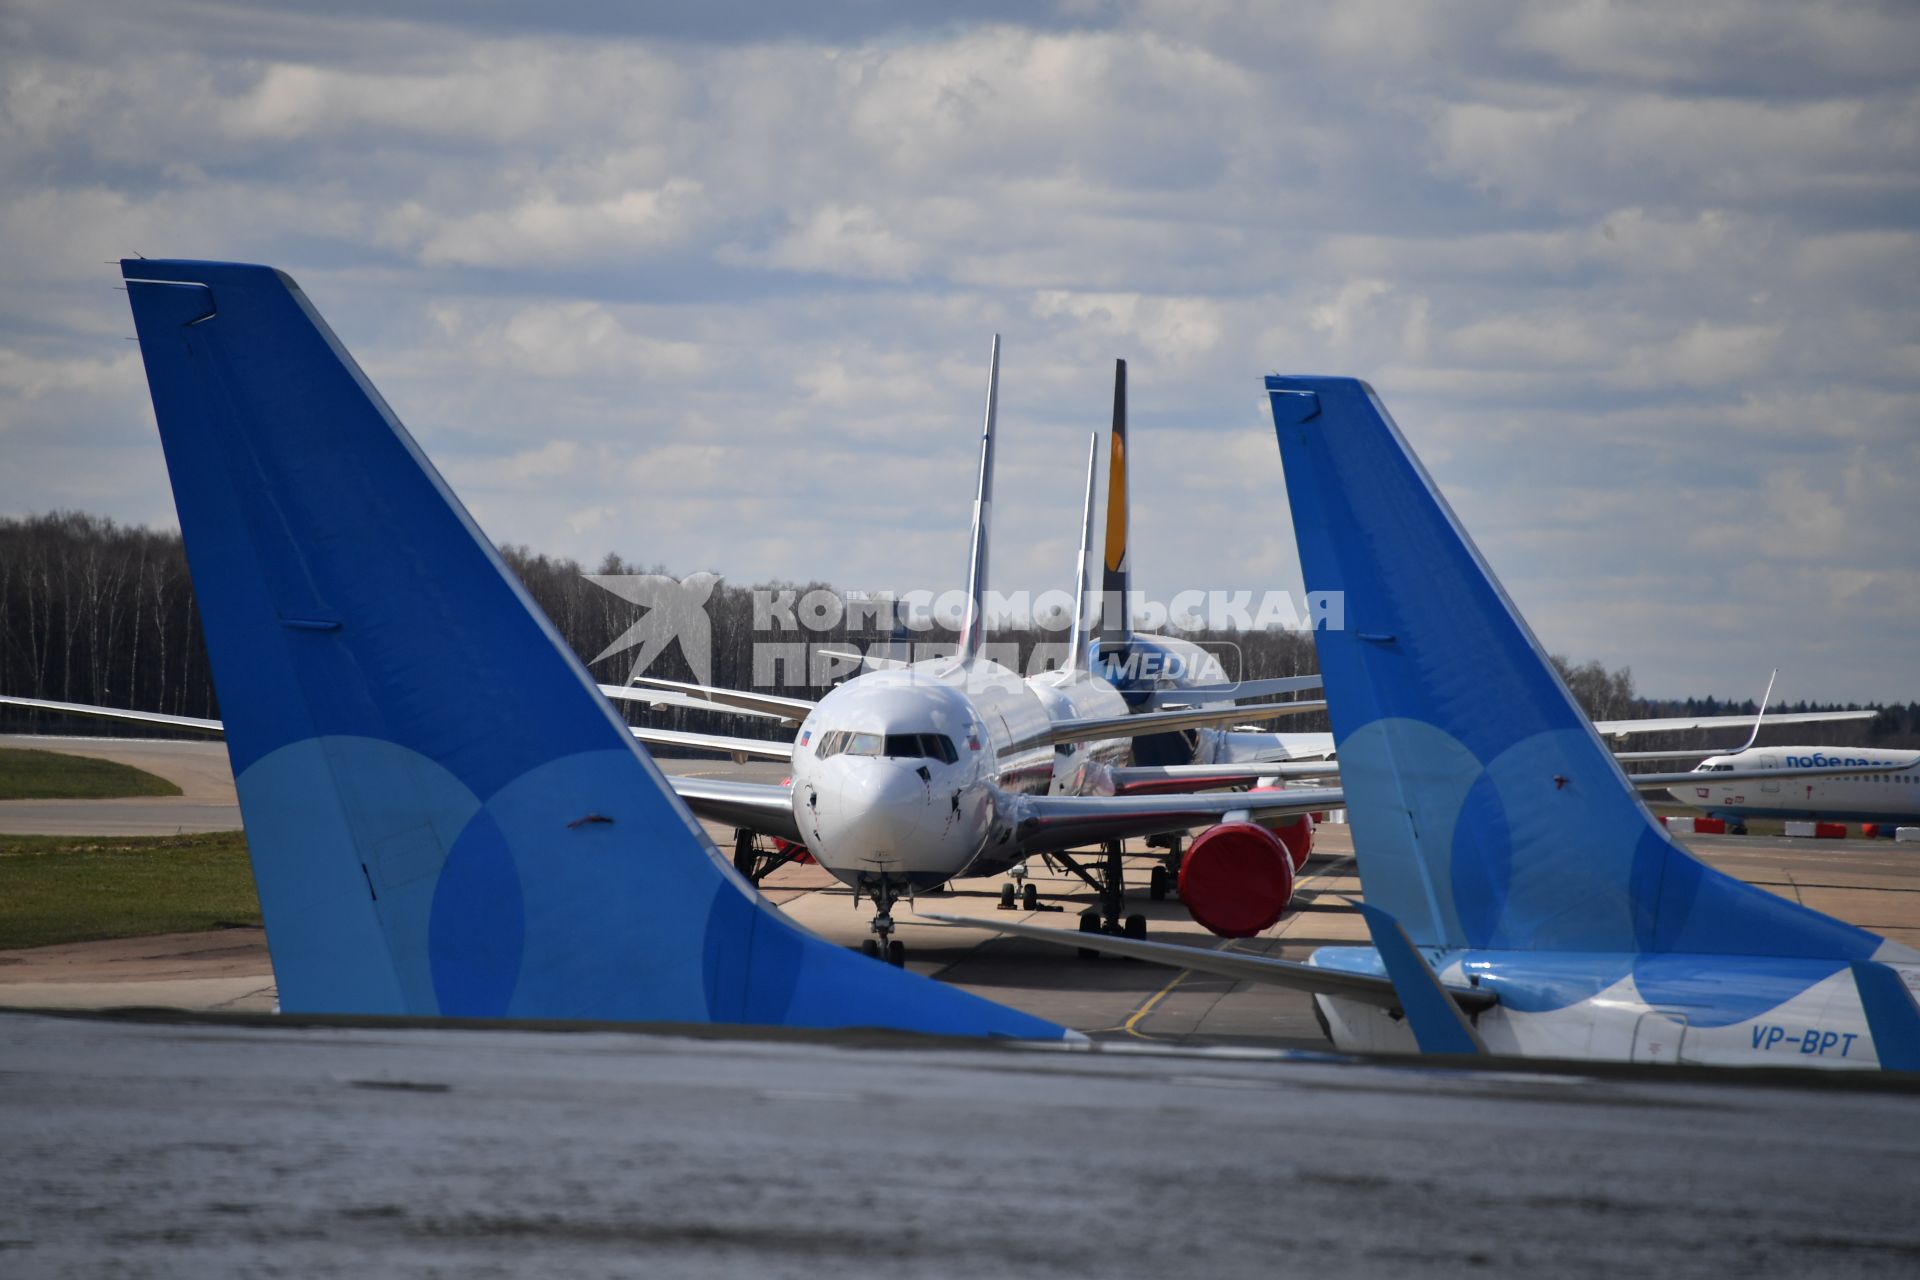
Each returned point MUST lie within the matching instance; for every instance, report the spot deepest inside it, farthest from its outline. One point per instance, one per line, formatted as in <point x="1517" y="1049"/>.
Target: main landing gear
<point x="1166" y="873"/>
<point x="753" y="861"/>
<point x="1109" y="880"/>
<point x="882" y="945"/>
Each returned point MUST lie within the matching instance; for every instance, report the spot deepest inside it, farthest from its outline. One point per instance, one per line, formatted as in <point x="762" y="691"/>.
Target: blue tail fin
<point x="1486" y="810"/>
<point x="445" y="816"/>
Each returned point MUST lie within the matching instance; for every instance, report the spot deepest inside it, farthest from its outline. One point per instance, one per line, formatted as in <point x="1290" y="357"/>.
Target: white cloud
<point x="1639" y="281"/>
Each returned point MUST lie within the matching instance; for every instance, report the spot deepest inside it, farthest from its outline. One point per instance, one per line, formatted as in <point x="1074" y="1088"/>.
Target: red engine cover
<point x="1237" y="879"/>
<point x="1298" y="837"/>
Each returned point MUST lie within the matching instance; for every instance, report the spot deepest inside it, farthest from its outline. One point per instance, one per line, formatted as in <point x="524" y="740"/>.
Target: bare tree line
<point x="97" y="612"/>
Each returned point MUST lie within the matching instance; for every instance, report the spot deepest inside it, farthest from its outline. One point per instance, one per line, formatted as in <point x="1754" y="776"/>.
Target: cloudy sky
<point x="715" y="289"/>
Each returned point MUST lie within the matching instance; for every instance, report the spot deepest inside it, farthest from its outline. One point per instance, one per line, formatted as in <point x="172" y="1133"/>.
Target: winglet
<point x="1765" y="698"/>
<point x="419" y="850"/>
<point x="1436" y="1021"/>
<point x="1082" y="578"/>
<point x="1891" y="1015"/>
<point x="973" y="629"/>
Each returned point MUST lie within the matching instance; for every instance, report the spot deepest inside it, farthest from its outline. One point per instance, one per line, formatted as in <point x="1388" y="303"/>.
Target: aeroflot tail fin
<point x="1485" y="810"/>
<point x="1116" y="620"/>
<point x="419" y="849"/>
<point x="1082" y="576"/>
<point x="973" y="628"/>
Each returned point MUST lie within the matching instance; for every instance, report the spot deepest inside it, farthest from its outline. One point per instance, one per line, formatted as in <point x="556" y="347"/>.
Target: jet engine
<point x="1237" y="878"/>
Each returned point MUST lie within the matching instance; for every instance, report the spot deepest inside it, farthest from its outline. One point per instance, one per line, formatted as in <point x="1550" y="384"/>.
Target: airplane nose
<point x="873" y="807"/>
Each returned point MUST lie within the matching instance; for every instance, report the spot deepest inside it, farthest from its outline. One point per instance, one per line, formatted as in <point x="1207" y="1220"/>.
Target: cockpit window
<point x="905" y="746"/>
<point x="922" y="746"/>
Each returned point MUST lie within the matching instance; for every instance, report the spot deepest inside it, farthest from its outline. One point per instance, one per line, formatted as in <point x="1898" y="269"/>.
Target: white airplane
<point x="907" y="777"/>
<point x="1764" y="782"/>
<point x="1520" y="897"/>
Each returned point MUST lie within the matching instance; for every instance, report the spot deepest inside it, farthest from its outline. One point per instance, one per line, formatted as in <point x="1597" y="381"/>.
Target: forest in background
<point x="97" y="612"/>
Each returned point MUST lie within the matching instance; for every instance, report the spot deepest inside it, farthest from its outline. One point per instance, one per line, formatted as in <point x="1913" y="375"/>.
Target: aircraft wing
<point x="1147" y="722"/>
<point x="1139" y="780"/>
<point x="1043" y="824"/>
<point x="664" y="698"/>
<point x="1196" y="695"/>
<point x="792" y="710"/>
<point x="114" y="713"/>
<point x="765" y="807"/>
<point x="1251" y="747"/>
<point x="1370" y="988"/>
<point x="1670" y="724"/>
<point x="740" y="749"/>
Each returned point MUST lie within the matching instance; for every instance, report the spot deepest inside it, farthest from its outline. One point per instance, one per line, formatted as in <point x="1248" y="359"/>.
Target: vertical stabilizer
<point x="1485" y="809"/>
<point x="973" y="629"/>
<point x="1083" y="572"/>
<point x="444" y="815"/>
<point x="1116" y="620"/>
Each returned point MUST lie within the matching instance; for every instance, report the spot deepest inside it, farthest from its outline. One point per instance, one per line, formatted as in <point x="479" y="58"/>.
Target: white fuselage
<point x="1708" y="1010"/>
<point x="905" y="774"/>
<point x="1889" y="797"/>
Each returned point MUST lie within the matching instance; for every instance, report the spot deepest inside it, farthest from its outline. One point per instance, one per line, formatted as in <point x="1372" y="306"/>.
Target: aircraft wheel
<point x="1006" y="896"/>
<point x="897" y="954"/>
<point x="1157" y="884"/>
<point x="1089" y="923"/>
<point x="870" y="949"/>
<point x="1137" y="927"/>
<point x="1030" y="897"/>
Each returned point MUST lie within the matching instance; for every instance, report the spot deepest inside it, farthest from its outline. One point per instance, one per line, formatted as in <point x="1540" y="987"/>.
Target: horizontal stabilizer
<point x="1433" y="1016"/>
<point x="1364" y="987"/>
<point x="1891" y="1015"/>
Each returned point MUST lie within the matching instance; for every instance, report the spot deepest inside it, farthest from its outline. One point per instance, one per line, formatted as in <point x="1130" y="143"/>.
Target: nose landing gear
<point x="883" y="944"/>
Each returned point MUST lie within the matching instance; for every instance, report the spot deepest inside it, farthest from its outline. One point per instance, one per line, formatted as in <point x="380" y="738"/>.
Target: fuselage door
<point x="1770" y="785"/>
<point x="1657" y="1037"/>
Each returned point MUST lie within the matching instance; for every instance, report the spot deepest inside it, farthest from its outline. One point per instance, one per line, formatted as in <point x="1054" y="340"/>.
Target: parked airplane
<point x="419" y="849"/>
<point x="893" y="811"/>
<point x="1520" y="897"/>
<point x="1885" y="788"/>
<point x="907" y="777"/>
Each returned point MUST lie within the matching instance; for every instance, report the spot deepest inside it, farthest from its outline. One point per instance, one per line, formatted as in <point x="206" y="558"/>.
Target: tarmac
<point x="1210" y="1130"/>
<point x="1874" y="884"/>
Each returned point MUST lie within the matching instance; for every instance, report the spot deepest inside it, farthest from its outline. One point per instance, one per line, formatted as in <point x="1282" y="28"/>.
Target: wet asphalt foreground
<point x="204" y="1149"/>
